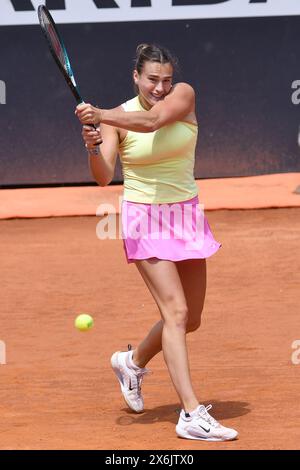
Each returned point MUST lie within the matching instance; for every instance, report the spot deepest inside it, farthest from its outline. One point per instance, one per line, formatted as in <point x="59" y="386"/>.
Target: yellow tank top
<point x="158" y="167"/>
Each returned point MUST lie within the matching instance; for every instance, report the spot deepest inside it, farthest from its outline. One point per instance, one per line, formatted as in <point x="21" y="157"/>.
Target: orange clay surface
<point x="57" y="388"/>
<point x="253" y="192"/>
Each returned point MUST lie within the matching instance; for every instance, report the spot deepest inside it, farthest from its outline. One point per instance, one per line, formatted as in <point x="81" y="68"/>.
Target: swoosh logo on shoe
<point x="130" y="388"/>
<point x="204" y="429"/>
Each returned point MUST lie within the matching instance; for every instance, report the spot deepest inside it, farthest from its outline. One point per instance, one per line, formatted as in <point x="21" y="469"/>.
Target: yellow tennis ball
<point x="84" y="322"/>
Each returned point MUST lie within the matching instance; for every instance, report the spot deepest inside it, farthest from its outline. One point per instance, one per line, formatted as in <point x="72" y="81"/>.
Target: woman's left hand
<point x="88" y="114"/>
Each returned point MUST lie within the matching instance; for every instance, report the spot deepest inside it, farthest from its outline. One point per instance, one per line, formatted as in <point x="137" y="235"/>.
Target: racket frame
<point x="69" y="77"/>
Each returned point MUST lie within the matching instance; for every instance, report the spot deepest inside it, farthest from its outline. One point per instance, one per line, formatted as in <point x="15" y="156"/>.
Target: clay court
<point x="57" y="388"/>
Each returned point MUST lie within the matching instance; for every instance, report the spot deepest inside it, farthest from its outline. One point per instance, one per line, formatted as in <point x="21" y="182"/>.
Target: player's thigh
<point x="192" y="274"/>
<point x="163" y="281"/>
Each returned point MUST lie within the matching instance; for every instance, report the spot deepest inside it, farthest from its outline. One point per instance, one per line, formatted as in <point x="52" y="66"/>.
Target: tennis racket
<point x="58" y="51"/>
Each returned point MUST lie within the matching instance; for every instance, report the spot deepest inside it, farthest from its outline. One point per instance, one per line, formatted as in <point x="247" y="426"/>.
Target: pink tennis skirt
<point x="173" y="231"/>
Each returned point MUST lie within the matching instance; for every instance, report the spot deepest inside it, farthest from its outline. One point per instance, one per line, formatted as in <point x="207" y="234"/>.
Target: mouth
<point x="156" y="98"/>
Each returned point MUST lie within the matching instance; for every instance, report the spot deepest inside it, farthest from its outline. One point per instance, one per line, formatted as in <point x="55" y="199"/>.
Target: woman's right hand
<point x="92" y="137"/>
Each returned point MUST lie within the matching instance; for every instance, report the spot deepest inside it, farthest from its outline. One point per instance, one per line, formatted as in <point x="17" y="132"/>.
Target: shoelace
<point x="136" y="381"/>
<point x="203" y="413"/>
<point x="139" y="374"/>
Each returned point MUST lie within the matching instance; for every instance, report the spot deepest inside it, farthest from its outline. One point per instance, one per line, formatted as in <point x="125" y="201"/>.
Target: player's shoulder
<point x="184" y="88"/>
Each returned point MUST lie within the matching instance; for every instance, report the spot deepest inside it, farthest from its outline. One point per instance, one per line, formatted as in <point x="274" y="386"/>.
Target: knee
<point x="176" y="316"/>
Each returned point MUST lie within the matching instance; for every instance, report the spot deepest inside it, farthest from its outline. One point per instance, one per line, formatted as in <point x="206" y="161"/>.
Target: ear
<point x="135" y="76"/>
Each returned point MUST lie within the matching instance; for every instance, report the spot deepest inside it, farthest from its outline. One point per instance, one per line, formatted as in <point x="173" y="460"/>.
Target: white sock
<point x="193" y="412"/>
<point x="129" y="361"/>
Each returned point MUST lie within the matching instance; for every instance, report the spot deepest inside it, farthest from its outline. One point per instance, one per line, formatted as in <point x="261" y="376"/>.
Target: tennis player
<point x="165" y="232"/>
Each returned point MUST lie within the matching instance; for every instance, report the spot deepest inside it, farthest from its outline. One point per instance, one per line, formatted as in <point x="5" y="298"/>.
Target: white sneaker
<point x="130" y="380"/>
<point x="202" y="426"/>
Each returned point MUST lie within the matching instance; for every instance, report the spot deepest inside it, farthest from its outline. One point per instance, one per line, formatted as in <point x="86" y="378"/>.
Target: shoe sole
<point x="185" y="435"/>
<point x="114" y="365"/>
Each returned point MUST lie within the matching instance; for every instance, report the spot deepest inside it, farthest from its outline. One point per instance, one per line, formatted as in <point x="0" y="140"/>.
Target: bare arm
<point x="174" y="107"/>
<point x="102" y="166"/>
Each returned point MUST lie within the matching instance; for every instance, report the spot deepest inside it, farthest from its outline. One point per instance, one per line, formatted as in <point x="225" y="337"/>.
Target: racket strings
<point x="58" y="50"/>
<point x="57" y="45"/>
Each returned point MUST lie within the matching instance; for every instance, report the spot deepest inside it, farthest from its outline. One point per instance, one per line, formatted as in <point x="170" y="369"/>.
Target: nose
<point x="159" y="87"/>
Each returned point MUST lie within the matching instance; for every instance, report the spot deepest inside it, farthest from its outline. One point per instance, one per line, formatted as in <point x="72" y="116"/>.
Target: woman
<point x="155" y="135"/>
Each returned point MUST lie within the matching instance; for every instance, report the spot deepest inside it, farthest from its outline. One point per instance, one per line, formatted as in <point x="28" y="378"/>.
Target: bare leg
<point x="150" y="346"/>
<point x="164" y="282"/>
<point x="193" y="279"/>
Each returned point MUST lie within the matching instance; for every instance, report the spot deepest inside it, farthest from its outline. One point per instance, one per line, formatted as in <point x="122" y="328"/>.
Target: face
<point x="154" y="83"/>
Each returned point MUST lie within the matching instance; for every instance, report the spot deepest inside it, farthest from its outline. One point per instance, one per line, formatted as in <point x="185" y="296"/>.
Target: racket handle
<point x="80" y="101"/>
<point x="94" y="127"/>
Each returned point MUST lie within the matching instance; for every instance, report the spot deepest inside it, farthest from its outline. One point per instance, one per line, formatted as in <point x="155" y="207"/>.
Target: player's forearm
<point x="100" y="170"/>
<point x="137" y="121"/>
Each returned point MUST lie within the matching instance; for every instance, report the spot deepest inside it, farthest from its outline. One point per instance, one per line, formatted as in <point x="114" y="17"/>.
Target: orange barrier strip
<point x="278" y="190"/>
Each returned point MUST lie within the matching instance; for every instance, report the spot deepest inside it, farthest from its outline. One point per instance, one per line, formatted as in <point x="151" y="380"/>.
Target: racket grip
<point x="80" y="101"/>
<point x="94" y="127"/>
